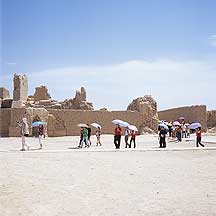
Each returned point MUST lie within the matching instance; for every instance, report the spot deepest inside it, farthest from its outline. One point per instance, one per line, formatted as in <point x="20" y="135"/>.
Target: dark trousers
<point x="198" y="142"/>
<point x="81" y="137"/>
<point x="184" y="135"/>
<point x="179" y="136"/>
<point x="162" y="142"/>
<point x="117" y="141"/>
<point x="132" y="140"/>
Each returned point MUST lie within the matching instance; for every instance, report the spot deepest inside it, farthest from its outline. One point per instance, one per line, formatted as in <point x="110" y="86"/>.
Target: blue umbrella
<point x="37" y="123"/>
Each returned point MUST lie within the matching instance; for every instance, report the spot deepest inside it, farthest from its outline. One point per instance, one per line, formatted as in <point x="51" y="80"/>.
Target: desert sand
<point x="63" y="180"/>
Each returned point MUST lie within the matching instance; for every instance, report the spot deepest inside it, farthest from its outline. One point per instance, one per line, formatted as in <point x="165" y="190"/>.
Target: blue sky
<point x="117" y="49"/>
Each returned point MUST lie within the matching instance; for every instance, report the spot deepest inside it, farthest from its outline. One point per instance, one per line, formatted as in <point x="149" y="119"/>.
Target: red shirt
<point x="198" y="133"/>
<point x="118" y="131"/>
<point x="133" y="135"/>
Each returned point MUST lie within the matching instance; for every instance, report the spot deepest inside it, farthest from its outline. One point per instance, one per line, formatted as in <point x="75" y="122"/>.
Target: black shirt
<point x="162" y="133"/>
<point x="89" y="132"/>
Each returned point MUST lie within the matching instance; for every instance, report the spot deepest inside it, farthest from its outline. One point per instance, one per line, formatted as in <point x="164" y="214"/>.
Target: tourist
<point x="162" y="137"/>
<point x="84" y="138"/>
<point x="117" y="136"/>
<point x="170" y="128"/>
<point x="126" y="135"/>
<point x="198" y="137"/>
<point x="41" y="134"/>
<point x="179" y="133"/>
<point x="24" y="133"/>
<point x="81" y="137"/>
<point x="89" y="135"/>
<point x="98" y="136"/>
<point x="184" y="131"/>
<point x="133" y="138"/>
<point x="187" y="131"/>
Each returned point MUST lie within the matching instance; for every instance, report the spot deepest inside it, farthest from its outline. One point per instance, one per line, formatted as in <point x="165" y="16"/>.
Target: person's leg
<point x="115" y="142"/>
<point x="25" y="143"/>
<point x="180" y="136"/>
<point x="86" y="142"/>
<point x="161" y="143"/>
<point x="130" y="142"/>
<point x="164" y="142"/>
<point x="200" y="142"/>
<point x="134" y="143"/>
<point x="40" y="140"/>
<point x="126" y="141"/>
<point x="119" y="141"/>
<point x="197" y="142"/>
<point x="177" y="135"/>
<point x="89" y="140"/>
<point x="80" y="142"/>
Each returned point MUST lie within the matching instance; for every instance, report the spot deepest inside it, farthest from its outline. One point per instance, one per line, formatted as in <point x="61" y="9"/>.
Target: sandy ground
<point x="62" y="180"/>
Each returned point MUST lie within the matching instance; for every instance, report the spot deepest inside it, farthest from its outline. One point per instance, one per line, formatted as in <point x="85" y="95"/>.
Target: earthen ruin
<point x="62" y="117"/>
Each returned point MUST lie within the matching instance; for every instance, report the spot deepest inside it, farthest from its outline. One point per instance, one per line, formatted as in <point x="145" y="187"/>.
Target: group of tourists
<point x="24" y="131"/>
<point x="85" y="137"/>
<point x="177" y="130"/>
<point x="127" y="133"/>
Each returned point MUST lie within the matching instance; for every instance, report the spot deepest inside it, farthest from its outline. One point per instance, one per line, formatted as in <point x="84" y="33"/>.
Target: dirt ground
<point x="62" y="180"/>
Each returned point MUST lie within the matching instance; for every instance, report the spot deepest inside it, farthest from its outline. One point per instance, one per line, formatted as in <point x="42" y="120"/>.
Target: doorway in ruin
<point x="35" y="129"/>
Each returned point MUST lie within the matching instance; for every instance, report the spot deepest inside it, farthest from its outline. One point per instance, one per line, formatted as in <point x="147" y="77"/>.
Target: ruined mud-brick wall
<point x="191" y="114"/>
<point x="211" y="119"/>
<point x="10" y="116"/>
<point x="16" y="114"/>
<point x="4" y="122"/>
<point x="64" y="122"/>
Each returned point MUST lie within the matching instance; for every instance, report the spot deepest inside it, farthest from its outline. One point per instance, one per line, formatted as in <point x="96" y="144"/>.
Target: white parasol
<point x="96" y="125"/>
<point x="133" y="128"/>
<point x="82" y="125"/>
<point x="120" y="123"/>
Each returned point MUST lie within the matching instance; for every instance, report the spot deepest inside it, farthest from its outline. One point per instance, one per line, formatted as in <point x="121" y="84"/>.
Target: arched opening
<point x="35" y="129"/>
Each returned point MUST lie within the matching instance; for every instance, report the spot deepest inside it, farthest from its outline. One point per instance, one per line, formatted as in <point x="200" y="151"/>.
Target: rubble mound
<point x="78" y="102"/>
<point x="148" y="107"/>
<point x="136" y="104"/>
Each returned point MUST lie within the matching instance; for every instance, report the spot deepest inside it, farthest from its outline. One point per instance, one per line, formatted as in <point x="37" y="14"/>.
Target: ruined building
<point x="62" y="117"/>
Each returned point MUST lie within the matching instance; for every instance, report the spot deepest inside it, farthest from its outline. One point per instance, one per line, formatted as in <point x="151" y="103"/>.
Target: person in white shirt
<point x="126" y="134"/>
<point x="24" y="133"/>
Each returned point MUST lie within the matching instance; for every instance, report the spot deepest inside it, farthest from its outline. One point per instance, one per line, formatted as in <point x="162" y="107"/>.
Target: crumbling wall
<point x="211" y="119"/>
<point x="78" y="102"/>
<point x="41" y="93"/>
<point x="30" y="113"/>
<point x="4" y="122"/>
<point x="191" y="113"/>
<point x="4" y="93"/>
<point x="64" y="122"/>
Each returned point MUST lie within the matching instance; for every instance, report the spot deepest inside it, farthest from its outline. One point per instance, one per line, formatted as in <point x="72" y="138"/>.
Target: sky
<point x="117" y="49"/>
